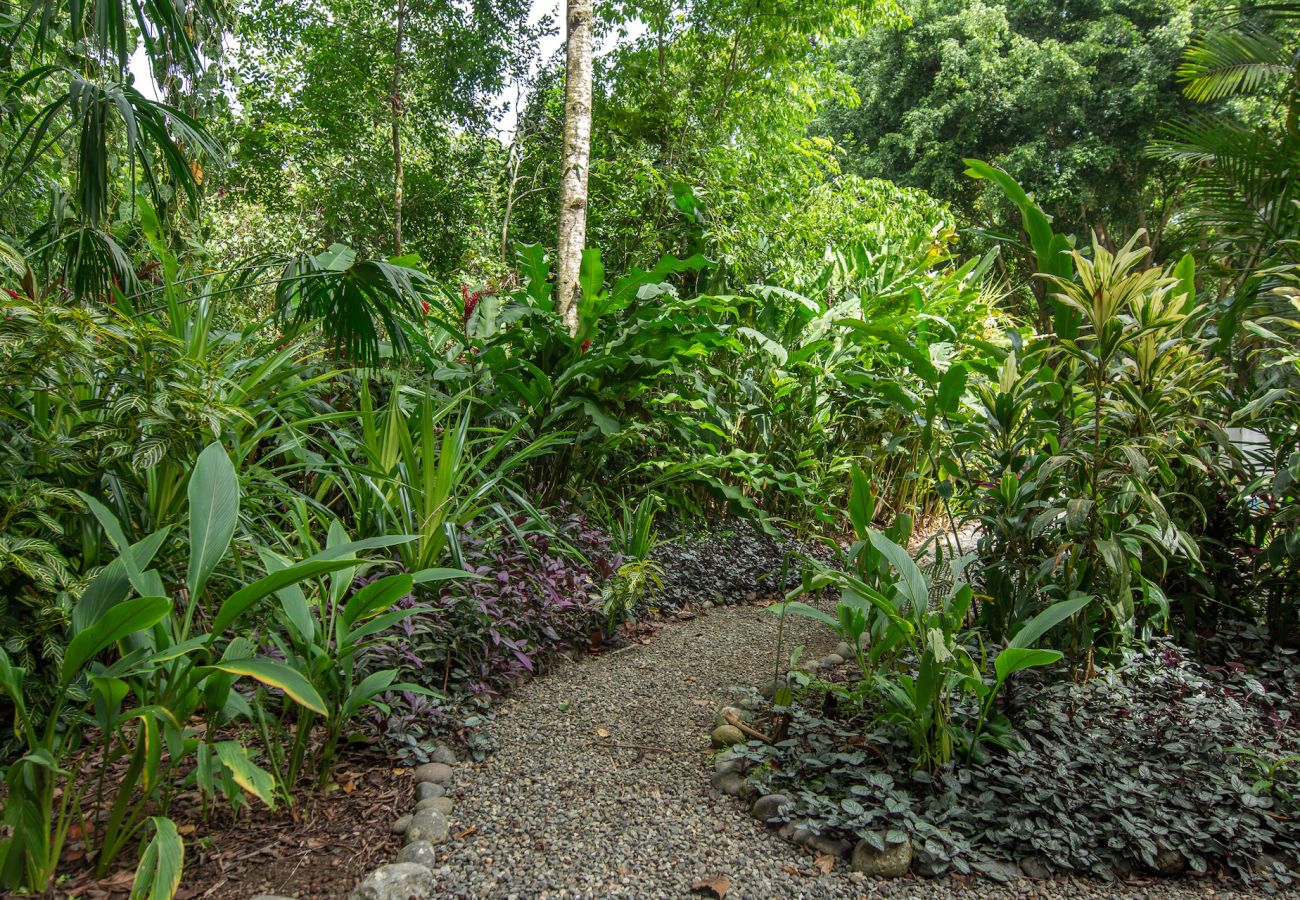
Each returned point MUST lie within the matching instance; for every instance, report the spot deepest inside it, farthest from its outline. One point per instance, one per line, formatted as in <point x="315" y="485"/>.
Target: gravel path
<point x="554" y="814"/>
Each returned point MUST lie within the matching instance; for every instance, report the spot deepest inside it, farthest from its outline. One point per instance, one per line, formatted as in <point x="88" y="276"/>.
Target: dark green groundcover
<point x="1160" y="754"/>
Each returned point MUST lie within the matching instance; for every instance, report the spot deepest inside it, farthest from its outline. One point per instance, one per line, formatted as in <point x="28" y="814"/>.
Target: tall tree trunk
<point x="576" y="160"/>
<point x="397" y="128"/>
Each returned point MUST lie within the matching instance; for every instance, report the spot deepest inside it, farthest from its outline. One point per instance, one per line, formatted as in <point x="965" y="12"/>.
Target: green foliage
<point x="1062" y="97"/>
<point x="1109" y="773"/>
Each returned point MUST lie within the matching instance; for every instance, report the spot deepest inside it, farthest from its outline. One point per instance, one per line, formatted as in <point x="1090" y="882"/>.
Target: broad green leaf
<point x="277" y="675"/>
<point x="951" y="387"/>
<point x="362" y="694"/>
<point x="158" y="875"/>
<point x="214" y="510"/>
<point x="376" y="597"/>
<point x="239" y="602"/>
<point x="862" y="502"/>
<point x="113" y="529"/>
<point x="111" y="586"/>
<point x="1013" y="659"/>
<point x="126" y="618"/>
<point x="247" y="774"/>
<point x="912" y="584"/>
<point x="1046" y="620"/>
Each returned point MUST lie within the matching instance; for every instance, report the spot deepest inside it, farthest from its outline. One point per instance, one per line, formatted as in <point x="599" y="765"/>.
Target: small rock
<point x="425" y="790"/>
<point x="443" y="805"/>
<point x="443" y="754"/>
<point x="1035" y="868"/>
<point x="831" y="660"/>
<point x="732" y="784"/>
<point x="751" y="596"/>
<point x="428" y="825"/>
<point x="1169" y="862"/>
<point x="787" y="832"/>
<point x="727" y="735"/>
<point x="728" y="762"/>
<point x="720" y="717"/>
<point x="829" y="845"/>
<point x="769" y="689"/>
<point x="810" y="665"/>
<point x="397" y="881"/>
<point x="400" y="826"/>
<point x="421" y="852"/>
<point x="750" y="704"/>
<point x="767" y="807"/>
<point x="892" y="862"/>
<point x="434" y="773"/>
<point x="845" y="649"/>
<point x="707" y="604"/>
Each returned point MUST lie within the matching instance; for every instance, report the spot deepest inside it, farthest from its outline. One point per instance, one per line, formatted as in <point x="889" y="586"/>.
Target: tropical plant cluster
<point x="299" y="448"/>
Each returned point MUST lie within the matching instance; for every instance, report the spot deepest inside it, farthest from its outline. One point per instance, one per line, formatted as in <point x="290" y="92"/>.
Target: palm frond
<point x="353" y="299"/>
<point x="174" y="32"/>
<point x="1245" y="191"/>
<point x="1232" y="63"/>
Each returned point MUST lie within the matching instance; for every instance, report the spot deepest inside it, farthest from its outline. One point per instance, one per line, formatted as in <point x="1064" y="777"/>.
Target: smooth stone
<point x="751" y="596"/>
<point x="727" y="735"/>
<point x="421" y="852"/>
<point x="428" y="825"/>
<point x="732" y="784"/>
<point x="720" y="717"/>
<point x="845" y="650"/>
<point x="400" y="826"/>
<point x="831" y="660"/>
<point x="787" y="832"/>
<point x="433" y="773"/>
<point x="766" y="807"/>
<point x="892" y="862"/>
<point x="425" y="790"/>
<point x="750" y="704"/>
<point x="727" y="762"/>
<point x="443" y="805"/>
<point x="769" y="689"/>
<point x="396" y="881"/>
<point x="443" y="754"/>
<point x="707" y="604"/>
<point x="1035" y="868"/>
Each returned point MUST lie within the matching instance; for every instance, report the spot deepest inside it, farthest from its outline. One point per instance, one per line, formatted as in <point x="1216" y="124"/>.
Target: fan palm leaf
<point x="353" y="300"/>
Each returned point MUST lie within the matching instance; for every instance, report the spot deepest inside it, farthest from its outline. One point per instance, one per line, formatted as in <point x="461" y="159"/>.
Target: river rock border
<point x="427" y="825"/>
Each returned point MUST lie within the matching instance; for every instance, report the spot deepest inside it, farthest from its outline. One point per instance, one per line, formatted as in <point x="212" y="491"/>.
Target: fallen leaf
<point x="188" y="828"/>
<point x="718" y="885"/>
<point x="602" y="732"/>
<point x="790" y="870"/>
<point x="120" y="879"/>
<point x="824" y="863"/>
<point x="702" y="702"/>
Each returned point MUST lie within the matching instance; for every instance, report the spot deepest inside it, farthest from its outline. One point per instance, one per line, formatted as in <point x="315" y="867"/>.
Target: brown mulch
<point x="318" y="849"/>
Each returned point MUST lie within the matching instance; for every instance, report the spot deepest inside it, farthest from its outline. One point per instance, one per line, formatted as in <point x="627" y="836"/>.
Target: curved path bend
<point x="556" y="813"/>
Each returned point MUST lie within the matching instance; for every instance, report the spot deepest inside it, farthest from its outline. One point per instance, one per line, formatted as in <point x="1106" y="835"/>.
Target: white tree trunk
<point x="577" y="156"/>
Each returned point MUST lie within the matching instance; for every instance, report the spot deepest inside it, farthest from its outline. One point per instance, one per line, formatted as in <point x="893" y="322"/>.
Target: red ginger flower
<point x="471" y="301"/>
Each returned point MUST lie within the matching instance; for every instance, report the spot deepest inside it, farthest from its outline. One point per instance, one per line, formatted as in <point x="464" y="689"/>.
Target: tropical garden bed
<point x="278" y="521"/>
